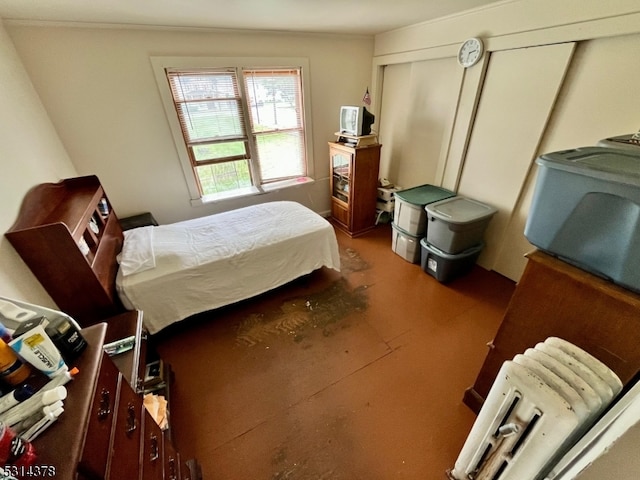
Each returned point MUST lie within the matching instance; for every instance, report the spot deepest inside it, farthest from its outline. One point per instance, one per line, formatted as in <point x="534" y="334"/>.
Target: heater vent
<point x="540" y="404"/>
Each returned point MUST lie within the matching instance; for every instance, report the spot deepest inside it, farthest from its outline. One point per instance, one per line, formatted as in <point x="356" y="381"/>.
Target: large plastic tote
<point x="409" y="214"/>
<point x="457" y="223"/>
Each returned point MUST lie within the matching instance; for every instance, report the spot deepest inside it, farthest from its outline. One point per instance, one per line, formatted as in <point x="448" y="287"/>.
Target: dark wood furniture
<point x="140" y="220"/>
<point x="105" y="431"/>
<point x="554" y="298"/>
<point x="69" y="236"/>
<point x="353" y="182"/>
<point x="132" y="363"/>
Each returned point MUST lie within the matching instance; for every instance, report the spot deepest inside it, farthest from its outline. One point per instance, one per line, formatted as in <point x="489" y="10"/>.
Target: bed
<point x="171" y="272"/>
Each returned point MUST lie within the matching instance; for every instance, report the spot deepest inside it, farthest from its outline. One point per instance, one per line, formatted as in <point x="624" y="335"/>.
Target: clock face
<point x="470" y="52"/>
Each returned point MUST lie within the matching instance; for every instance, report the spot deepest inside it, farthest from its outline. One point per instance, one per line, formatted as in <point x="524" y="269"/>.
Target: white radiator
<point x="541" y="402"/>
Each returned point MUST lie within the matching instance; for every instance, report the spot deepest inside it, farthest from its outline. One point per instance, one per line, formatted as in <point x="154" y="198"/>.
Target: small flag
<point x="367" y="98"/>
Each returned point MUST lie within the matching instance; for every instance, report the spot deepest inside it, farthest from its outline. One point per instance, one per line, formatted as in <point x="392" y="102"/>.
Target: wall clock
<point x="470" y="52"/>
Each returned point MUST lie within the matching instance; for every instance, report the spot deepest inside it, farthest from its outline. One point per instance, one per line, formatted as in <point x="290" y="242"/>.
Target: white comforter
<point x="173" y="271"/>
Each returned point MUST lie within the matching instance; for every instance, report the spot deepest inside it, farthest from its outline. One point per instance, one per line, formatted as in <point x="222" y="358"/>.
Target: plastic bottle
<point x="12" y="370"/>
<point x="16" y="396"/>
<point x="5" y="333"/>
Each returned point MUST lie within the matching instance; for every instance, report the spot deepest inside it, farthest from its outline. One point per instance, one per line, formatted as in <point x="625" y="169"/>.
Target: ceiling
<point x="365" y="17"/>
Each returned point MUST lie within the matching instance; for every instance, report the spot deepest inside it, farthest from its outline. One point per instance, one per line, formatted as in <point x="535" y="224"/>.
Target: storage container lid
<point x="402" y="231"/>
<point x="612" y="164"/>
<point x="424" y="194"/>
<point x="442" y="254"/>
<point x="460" y="210"/>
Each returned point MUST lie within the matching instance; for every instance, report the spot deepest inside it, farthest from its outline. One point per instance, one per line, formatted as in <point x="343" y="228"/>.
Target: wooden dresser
<point x="554" y="298"/>
<point x="105" y="431"/>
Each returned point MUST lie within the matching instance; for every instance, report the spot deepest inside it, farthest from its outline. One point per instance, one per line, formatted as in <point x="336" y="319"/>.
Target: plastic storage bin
<point x="457" y="223"/>
<point x="409" y="212"/>
<point x="405" y="244"/>
<point x="445" y="266"/>
<point x="586" y="211"/>
<point x="627" y="142"/>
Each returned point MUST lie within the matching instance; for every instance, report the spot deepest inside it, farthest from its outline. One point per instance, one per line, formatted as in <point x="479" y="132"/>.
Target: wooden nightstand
<point x="135" y="221"/>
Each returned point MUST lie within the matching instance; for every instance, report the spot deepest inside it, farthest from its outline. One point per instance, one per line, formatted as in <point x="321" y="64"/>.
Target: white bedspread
<point x="201" y="264"/>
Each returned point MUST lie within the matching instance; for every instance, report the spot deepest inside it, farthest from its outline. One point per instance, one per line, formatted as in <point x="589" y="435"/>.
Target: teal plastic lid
<point x="424" y="194"/>
<point x="460" y="210"/>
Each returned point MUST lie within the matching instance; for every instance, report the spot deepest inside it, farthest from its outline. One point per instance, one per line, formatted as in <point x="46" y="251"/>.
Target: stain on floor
<point x="351" y="261"/>
<point x="296" y="317"/>
<point x="302" y="458"/>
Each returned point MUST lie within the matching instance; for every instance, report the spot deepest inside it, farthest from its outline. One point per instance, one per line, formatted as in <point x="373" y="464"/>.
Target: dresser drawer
<point x="103" y="407"/>
<point x="171" y="462"/>
<point x="152" y="459"/>
<point x="127" y="434"/>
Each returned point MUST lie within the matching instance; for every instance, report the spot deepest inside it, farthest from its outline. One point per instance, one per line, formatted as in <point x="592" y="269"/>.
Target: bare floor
<point x="342" y="376"/>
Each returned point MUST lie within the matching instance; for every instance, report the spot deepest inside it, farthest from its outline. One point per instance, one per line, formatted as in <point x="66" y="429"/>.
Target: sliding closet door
<point x="518" y="95"/>
<point x="417" y="112"/>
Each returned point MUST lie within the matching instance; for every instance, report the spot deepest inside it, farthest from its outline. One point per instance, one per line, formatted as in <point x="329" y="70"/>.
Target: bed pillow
<point x="137" y="251"/>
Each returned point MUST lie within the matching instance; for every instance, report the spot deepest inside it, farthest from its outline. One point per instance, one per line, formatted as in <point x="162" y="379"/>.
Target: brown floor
<point x="351" y="375"/>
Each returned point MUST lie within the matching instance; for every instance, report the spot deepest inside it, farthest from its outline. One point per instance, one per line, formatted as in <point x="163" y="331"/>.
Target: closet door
<point x="417" y="113"/>
<point x="518" y="96"/>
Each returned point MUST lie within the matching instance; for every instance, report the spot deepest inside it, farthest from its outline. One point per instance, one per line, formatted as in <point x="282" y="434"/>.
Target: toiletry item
<point x="45" y="422"/>
<point x="36" y="347"/>
<point x="29" y="324"/>
<point x="37" y="400"/>
<point x="61" y="379"/>
<point x="33" y="405"/>
<point x="13" y="449"/>
<point x="14" y="397"/>
<point x="103" y="207"/>
<point x="31" y="420"/>
<point x="66" y="337"/>
<point x="5" y="333"/>
<point x="12" y="370"/>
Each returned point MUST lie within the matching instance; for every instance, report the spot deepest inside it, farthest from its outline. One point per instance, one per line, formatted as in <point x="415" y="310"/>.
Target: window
<point x="242" y="129"/>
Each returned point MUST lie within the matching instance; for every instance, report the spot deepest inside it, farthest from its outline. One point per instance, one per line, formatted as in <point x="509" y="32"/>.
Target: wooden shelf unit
<point x="354" y="186"/>
<point x="54" y="236"/>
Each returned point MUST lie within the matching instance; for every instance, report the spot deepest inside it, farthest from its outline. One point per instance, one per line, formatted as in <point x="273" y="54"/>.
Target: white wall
<point x="418" y="107"/>
<point x="30" y="153"/>
<point x="100" y="91"/>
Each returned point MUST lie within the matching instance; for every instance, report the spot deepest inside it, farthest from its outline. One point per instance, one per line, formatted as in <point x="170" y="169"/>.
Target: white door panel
<point x="518" y="96"/>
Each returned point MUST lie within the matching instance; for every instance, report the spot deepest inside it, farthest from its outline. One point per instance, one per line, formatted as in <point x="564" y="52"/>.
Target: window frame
<point x="161" y="64"/>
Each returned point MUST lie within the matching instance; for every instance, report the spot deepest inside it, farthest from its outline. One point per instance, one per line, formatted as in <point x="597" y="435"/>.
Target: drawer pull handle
<point x="139" y="384"/>
<point x="132" y="423"/>
<point x="104" y="409"/>
<point x="173" y="474"/>
<point x="155" y="450"/>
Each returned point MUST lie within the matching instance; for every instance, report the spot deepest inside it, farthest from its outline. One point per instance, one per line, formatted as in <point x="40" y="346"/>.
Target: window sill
<point x="251" y="191"/>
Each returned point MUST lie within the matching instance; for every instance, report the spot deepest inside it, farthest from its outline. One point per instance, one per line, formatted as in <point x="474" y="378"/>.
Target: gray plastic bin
<point x="405" y="244"/>
<point x="586" y="211"/>
<point x="409" y="214"/>
<point x="444" y="266"/>
<point x="457" y="223"/>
